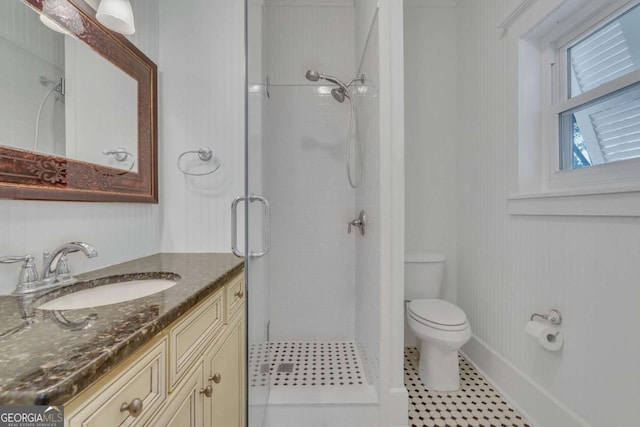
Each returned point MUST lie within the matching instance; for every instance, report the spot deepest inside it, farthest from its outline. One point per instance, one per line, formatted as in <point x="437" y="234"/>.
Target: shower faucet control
<point x="358" y="222"/>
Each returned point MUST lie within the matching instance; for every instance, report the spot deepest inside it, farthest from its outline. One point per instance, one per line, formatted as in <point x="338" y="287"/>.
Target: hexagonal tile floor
<point x="476" y="404"/>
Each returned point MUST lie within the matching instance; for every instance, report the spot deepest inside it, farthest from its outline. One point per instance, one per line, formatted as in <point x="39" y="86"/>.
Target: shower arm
<point x="334" y="80"/>
<point x="360" y="79"/>
<point x="340" y="83"/>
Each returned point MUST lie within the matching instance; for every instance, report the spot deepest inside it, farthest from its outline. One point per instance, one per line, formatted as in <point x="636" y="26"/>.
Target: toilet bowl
<point x="441" y="328"/>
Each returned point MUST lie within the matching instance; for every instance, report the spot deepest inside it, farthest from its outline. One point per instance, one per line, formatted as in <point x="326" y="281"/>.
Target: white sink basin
<point x="108" y="294"/>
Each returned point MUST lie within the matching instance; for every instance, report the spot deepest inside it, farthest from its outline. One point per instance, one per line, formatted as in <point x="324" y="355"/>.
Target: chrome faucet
<point x="55" y="268"/>
<point x="54" y="264"/>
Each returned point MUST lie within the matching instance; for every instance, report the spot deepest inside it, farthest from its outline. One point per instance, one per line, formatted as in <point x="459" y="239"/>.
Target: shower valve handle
<point x="358" y="222"/>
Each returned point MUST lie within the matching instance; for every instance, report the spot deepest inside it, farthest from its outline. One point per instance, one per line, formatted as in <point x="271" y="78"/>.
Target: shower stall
<point x="314" y="219"/>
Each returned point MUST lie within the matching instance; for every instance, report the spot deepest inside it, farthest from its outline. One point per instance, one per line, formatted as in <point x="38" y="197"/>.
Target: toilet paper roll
<point x="550" y="337"/>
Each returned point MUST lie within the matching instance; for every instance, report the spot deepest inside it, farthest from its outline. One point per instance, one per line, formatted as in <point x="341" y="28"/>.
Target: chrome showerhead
<point x="313" y="75"/>
<point x="339" y="94"/>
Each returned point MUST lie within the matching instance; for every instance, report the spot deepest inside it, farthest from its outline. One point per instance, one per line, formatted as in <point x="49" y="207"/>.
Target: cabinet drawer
<point x="144" y="380"/>
<point x="189" y="338"/>
<point x="235" y="295"/>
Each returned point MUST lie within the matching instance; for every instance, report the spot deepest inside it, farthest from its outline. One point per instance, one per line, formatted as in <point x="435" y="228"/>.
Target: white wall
<point x="120" y="231"/>
<point x="367" y="292"/>
<point x="512" y="266"/>
<point x="311" y="265"/>
<point x="201" y="104"/>
<point x="431" y="149"/>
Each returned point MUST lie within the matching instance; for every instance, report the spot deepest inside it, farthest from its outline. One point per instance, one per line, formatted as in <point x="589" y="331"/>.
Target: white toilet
<point x="441" y="327"/>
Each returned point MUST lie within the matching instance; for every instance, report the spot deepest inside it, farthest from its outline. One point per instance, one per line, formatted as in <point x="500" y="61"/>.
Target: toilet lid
<point x="437" y="311"/>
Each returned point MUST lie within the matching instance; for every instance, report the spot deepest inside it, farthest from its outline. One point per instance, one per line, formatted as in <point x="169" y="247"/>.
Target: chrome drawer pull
<point x="216" y="378"/>
<point x="134" y="408"/>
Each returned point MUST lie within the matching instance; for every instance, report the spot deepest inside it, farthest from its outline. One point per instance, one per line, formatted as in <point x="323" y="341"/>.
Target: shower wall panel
<point x="312" y="259"/>
<point x="312" y="264"/>
<point x="309" y="37"/>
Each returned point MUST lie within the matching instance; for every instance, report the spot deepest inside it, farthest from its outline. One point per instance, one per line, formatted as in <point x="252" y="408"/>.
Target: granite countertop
<point x="43" y="361"/>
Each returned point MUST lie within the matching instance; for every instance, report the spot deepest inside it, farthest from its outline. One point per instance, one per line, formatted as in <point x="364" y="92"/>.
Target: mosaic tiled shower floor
<point x="476" y="404"/>
<point x="307" y="364"/>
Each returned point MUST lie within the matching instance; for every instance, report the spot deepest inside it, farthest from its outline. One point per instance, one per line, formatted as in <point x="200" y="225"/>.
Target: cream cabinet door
<point x="142" y="381"/>
<point x="224" y="374"/>
<point x="186" y="404"/>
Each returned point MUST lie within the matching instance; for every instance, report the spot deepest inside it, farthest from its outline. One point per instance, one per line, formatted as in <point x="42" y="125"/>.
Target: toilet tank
<point x="423" y="275"/>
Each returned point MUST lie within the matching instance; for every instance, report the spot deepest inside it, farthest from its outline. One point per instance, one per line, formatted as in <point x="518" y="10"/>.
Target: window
<point x="573" y="122"/>
<point x="602" y="124"/>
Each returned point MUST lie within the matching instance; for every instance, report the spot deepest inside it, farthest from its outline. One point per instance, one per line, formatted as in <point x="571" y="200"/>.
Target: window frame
<point x="557" y="83"/>
<point x="536" y="185"/>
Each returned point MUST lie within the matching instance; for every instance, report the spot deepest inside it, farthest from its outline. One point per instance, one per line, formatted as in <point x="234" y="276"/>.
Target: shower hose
<point x="358" y="152"/>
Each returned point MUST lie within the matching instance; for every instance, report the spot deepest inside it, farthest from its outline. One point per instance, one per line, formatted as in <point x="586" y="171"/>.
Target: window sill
<point x="615" y="202"/>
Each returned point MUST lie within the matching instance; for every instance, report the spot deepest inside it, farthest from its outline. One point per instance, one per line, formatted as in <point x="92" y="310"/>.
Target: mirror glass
<point x="78" y="117"/>
<point x="61" y="97"/>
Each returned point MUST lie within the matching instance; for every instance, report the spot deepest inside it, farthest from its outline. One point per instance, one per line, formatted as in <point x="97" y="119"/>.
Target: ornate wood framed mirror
<point x="93" y="122"/>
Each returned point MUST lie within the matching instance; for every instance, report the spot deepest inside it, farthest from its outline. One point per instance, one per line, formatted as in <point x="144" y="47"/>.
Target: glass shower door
<point x="256" y="221"/>
<point x="254" y="210"/>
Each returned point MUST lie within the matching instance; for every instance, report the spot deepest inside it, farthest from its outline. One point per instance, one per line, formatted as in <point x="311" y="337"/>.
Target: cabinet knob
<point x="239" y="294"/>
<point x="216" y="378"/>
<point x="134" y="408"/>
<point x="207" y="391"/>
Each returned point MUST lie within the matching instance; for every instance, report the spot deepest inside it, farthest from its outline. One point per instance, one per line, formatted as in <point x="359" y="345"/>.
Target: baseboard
<point x="396" y="407"/>
<point x="539" y="407"/>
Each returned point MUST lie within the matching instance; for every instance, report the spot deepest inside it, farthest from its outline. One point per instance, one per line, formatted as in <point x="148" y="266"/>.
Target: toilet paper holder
<point x="553" y="316"/>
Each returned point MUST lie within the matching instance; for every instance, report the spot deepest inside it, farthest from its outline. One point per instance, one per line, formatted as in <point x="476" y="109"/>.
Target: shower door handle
<point x="266" y="221"/>
<point x="234" y="226"/>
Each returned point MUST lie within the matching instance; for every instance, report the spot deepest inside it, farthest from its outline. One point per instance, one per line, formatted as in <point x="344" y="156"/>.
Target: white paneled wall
<point x="431" y="152"/>
<point x="512" y="266"/>
<point x="312" y="264"/>
<point x="367" y="292"/>
<point x="201" y="104"/>
<point x="120" y="231"/>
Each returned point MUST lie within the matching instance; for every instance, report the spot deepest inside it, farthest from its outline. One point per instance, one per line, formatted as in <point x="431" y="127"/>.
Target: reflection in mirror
<point x="101" y="109"/>
<point x="31" y="70"/>
<point x="62" y="98"/>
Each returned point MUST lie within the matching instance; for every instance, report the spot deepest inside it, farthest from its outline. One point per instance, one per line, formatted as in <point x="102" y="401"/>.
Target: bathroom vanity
<point x="175" y="357"/>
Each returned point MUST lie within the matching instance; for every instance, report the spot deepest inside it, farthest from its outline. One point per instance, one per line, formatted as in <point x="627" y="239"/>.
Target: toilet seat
<point x="438" y="314"/>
